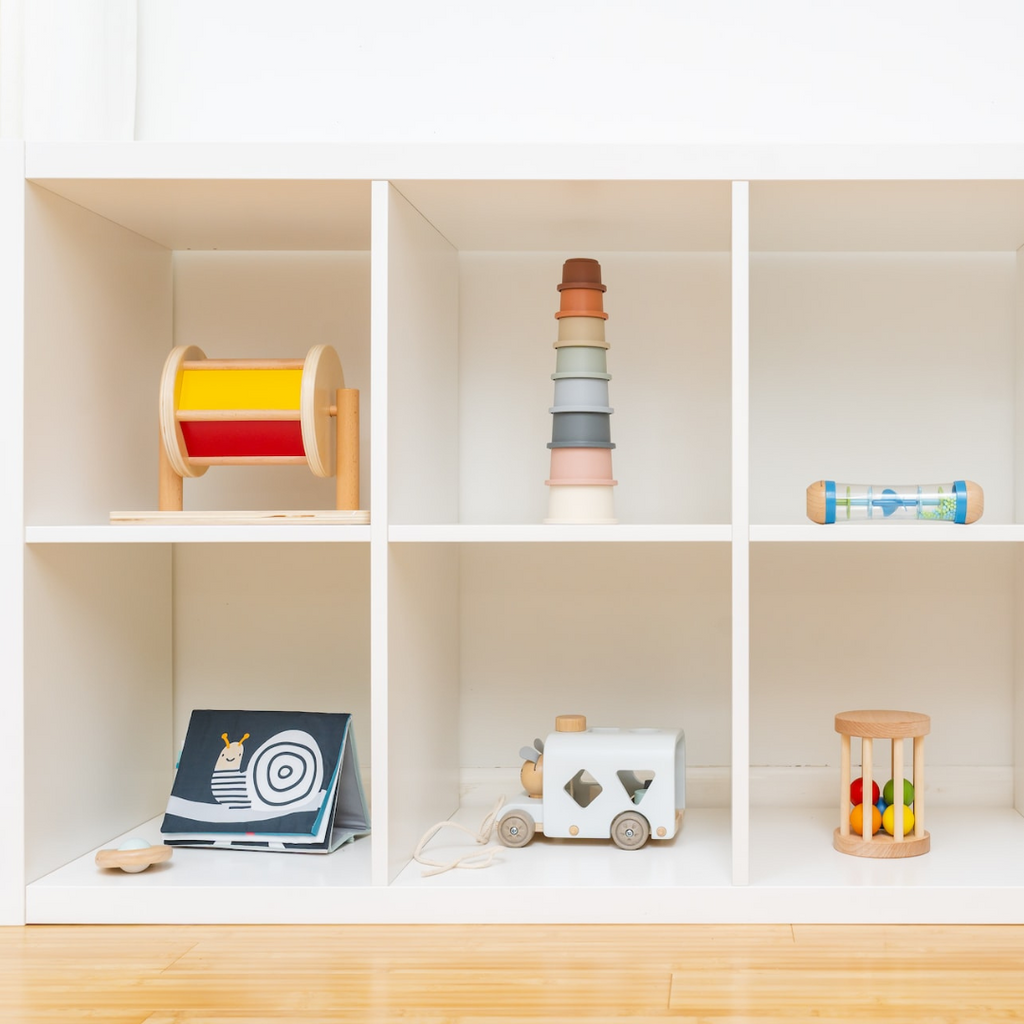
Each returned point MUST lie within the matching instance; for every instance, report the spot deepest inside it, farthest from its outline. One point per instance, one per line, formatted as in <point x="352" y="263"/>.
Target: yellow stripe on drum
<point x="240" y="389"/>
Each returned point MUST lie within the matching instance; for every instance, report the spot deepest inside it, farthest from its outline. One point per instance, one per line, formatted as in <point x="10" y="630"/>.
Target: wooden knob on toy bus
<point x="571" y="723"/>
<point x="961" y="501"/>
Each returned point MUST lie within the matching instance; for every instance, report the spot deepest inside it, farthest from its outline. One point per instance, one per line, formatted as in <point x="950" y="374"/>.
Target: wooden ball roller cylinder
<point x="869" y="726"/>
<point x="237" y="412"/>
<point x="961" y="501"/>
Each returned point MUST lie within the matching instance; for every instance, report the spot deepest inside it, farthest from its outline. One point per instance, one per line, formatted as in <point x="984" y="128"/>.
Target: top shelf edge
<point x="338" y="161"/>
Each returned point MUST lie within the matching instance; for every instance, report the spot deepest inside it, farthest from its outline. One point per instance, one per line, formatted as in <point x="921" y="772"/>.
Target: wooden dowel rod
<point x="243" y="364"/>
<point x="229" y="415"/>
<point x="347" y="449"/>
<point x="844" y="786"/>
<point x="867" y="818"/>
<point x="169" y="494"/>
<point x="897" y="789"/>
<point x="918" y="787"/>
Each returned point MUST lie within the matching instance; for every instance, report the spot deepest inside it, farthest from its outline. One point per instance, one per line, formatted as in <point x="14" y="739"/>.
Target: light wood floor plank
<point x="498" y="974"/>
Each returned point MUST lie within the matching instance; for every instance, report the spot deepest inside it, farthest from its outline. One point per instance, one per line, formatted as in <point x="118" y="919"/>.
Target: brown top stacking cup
<point x="581" y="272"/>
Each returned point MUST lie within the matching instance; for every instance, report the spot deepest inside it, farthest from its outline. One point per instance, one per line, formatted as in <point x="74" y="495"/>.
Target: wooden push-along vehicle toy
<point x="628" y="785"/>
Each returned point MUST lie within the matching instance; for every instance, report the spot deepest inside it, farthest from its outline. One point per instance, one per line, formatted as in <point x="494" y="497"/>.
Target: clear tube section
<point x="887" y="502"/>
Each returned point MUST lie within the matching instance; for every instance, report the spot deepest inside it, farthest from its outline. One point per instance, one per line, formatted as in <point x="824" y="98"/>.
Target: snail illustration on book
<point x="284" y="774"/>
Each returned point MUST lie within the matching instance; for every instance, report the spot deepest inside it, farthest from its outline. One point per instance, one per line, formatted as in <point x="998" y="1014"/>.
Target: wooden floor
<point x="496" y="974"/>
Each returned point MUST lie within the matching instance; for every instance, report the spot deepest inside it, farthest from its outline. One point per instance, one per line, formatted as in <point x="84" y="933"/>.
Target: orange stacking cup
<point x="582" y="292"/>
<point x="582" y="302"/>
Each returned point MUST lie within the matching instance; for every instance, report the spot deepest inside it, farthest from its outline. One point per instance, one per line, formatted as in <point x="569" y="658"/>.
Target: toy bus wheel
<point x="630" y="831"/>
<point x="516" y="829"/>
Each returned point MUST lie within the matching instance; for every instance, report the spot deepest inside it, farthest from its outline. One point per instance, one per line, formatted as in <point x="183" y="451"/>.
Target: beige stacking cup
<point x="581" y="330"/>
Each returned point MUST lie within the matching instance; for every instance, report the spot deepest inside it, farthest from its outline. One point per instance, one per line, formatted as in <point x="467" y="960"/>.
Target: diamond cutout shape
<point x="583" y="788"/>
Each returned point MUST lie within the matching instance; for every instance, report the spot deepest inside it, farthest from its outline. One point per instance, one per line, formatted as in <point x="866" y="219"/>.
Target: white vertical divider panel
<point x="423" y="369"/>
<point x="422" y="374"/>
<point x="740" y="532"/>
<point x="12" y="534"/>
<point x="1018" y="676"/>
<point x="1018" y="440"/>
<point x="379" y="804"/>
<point x="1018" y="516"/>
<point x="98" y="619"/>
<point x="99" y="310"/>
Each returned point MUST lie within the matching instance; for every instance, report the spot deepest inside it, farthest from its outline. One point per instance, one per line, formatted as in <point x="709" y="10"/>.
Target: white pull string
<point x="472" y="859"/>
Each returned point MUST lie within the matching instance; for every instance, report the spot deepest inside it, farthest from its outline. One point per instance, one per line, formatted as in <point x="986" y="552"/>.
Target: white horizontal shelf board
<point x="971" y="848"/>
<point x="910" y="533"/>
<point x="202" y="884"/>
<point x="465" y="533"/>
<point x="699" y="855"/>
<point x="577" y="215"/>
<point x="111" y="534"/>
<point x="233" y="214"/>
<point x="887" y="216"/>
<point x="164" y="160"/>
<point x="813" y="884"/>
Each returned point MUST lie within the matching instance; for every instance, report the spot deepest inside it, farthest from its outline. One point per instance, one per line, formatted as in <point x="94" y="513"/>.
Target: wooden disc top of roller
<point x="571" y="723"/>
<point x="883" y="724"/>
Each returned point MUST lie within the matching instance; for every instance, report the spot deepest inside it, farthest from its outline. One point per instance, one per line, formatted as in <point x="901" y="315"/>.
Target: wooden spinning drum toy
<point x="238" y="412"/>
<point x="895" y="726"/>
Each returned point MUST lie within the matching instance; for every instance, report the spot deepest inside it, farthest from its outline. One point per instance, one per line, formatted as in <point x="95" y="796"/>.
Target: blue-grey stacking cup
<point x="585" y="391"/>
<point x="581" y="427"/>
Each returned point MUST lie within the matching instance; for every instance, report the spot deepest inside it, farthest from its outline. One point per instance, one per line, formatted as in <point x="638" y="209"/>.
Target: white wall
<point x="460" y="71"/>
<point x="661" y="71"/>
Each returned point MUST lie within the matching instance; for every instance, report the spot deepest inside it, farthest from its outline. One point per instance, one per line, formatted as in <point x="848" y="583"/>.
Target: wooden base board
<point x="288" y="517"/>
<point x="881" y="846"/>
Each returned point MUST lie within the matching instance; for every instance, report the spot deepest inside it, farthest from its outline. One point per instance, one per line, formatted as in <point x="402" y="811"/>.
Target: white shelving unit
<point x="775" y="317"/>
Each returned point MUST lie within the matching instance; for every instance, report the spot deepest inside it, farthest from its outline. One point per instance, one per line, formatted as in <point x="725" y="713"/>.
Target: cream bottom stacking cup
<point x="581" y="503"/>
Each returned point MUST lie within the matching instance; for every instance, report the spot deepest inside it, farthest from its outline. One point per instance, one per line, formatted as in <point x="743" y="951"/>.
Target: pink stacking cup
<point x="581" y="466"/>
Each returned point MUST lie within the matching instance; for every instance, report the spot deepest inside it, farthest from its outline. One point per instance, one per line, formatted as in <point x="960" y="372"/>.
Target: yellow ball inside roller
<point x="889" y="820"/>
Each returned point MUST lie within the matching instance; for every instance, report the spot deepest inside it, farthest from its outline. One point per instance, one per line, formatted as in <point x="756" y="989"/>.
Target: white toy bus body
<point x="627" y="785"/>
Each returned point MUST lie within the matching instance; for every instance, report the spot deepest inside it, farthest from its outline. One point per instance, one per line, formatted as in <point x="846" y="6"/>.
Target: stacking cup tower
<point x="580" y="487"/>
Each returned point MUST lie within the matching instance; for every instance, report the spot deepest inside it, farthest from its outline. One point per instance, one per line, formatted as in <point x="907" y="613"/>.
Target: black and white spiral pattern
<point x="286" y="769"/>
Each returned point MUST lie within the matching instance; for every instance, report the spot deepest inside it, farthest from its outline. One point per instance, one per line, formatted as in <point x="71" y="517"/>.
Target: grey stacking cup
<point x="582" y="428"/>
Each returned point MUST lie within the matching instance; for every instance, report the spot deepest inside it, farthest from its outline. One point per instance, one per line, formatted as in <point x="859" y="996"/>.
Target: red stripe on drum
<point x="243" y="438"/>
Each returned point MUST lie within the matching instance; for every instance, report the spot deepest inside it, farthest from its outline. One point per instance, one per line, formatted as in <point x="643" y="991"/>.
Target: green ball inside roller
<point x="908" y="792"/>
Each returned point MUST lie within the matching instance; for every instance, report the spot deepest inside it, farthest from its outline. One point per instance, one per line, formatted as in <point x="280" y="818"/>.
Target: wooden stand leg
<point x="347" y="450"/>
<point x="170" y="497"/>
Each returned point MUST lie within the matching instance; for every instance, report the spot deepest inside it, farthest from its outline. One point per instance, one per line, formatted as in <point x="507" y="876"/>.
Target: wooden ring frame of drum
<point x="329" y="449"/>
<point x="895" y="726"/>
